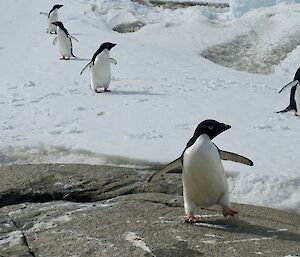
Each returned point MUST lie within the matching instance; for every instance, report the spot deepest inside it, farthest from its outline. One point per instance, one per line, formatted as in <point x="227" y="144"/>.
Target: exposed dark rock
<point x="83" y="210"/>
<point x="76" y="183"/>
<point x="184" y="4"/>
<point x="128" y="27"/>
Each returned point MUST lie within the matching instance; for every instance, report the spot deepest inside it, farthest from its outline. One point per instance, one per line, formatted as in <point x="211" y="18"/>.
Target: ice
<point x="240" y="7"/>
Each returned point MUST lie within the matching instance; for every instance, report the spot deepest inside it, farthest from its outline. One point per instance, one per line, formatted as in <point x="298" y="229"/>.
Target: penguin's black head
<point x="58" y="23"/>
<point x="106" y="45"/>
<point x="57" y="6"/>
<point x="212" y="128"/>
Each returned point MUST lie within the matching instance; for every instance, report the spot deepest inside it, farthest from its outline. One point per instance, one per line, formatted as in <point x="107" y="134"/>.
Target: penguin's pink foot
<point x="106" y="90"/>
<point x="227" y="211"/>
<point x="191" y="218"/>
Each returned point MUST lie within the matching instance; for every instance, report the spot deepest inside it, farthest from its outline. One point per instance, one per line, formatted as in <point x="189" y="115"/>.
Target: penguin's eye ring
<point x="210" y="127"/>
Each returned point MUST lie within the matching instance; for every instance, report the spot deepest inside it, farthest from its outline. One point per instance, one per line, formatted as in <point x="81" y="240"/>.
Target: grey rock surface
<point x="85" y="210"/>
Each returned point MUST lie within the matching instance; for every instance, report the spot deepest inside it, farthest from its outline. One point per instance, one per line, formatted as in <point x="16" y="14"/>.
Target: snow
<point x="240" y="7"/>
<point x="254" y="50"/>
<point x="162" y="88"/>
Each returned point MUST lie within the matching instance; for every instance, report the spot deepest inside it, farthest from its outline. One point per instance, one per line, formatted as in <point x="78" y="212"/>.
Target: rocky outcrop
<point x="184" y="4"/>
<point x="84" y="210"/>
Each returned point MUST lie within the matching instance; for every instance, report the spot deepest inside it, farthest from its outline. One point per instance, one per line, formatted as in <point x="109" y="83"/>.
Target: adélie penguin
<point x="100" y="67"/>
<point x="52" y="17"/>
<point x="294" y="95"/>
<point x="203" y="175"/>
<point x="64" y="40"/>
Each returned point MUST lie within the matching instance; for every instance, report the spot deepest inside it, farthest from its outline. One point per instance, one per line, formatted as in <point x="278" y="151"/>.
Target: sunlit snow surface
<point x="162" y="87"/>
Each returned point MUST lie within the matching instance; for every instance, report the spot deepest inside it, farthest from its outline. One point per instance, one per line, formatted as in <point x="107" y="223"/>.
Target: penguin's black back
<point x="106" y="45"/>
<point x="297" y="75"/>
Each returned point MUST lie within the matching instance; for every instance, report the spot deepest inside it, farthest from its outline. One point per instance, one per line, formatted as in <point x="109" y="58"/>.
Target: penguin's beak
<point x="112" y="45"/>
<point x="226" y="127"/>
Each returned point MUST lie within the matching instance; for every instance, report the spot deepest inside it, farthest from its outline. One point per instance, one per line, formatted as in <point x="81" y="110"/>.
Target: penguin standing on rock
<point x="203" y="175"/>
<point x="294" y="95"/>
<point x="52" y="17"/>
<point x="100" y="68"/>
<point x="64" y="41"/>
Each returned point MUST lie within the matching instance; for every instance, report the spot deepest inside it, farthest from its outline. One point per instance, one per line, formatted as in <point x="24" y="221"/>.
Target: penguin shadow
<point x="128" y="92"/>
<point x="234" y="225"/>
<point x="177" y="250"/>
<point x="79" y="59"/>
<point x="81" y="34"/>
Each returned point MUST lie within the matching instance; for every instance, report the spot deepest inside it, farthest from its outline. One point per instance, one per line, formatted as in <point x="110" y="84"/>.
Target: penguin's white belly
<point x="64" y="43"/>
<point x="204" y="179"/>
<point x="297" y="98"/>
<point x="100" y="73"/>
<point x="52" y="18"/>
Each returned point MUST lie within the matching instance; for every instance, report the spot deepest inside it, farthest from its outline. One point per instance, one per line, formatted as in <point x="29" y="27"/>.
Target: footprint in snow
<point x="12" y="88"/>
<point x="65" y="123"/>
<point x="185" y="126"/>
<point x="74" y="91"/>
<point x="148" y="135"/>
<point x="75" y="131"/>
<point x="100" y="113"/>
<point x="18" y="105"/>
<point x="80" y="108"/>
<point x="271" y="128"/>
<point x="37" y="100"/>
<point x="7" y="127"/>
<point x="143" y="100"/>
<point x="16" y="100"/>
<point x="54" y="133"/>
<point x="29" y="84"/>
<point x="52" y="95"/>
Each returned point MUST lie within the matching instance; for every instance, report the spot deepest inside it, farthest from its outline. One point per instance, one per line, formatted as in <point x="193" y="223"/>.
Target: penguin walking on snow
<point x="100" y="68"/>
<point x="64" y="41"/>
<point x="203" y="175"/>
<point x="294" y="95"/>
<point x="52" y="17"/>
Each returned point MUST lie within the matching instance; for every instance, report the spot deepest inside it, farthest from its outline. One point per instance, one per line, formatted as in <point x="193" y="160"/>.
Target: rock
<point x="172" y="4"/>
<point x="85" y="210"/>
<point x="129" y="27"/>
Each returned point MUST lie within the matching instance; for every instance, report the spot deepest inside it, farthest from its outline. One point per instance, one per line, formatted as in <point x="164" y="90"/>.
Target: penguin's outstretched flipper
<point x="176" y="164"/>
<point x="171" y="166"/>
<point x="291" y="84"/>
<point x="74" y="38"/>
<point x="88" y="65"/>
<point x="228" y="156"/>
<point x="54" y="41"/>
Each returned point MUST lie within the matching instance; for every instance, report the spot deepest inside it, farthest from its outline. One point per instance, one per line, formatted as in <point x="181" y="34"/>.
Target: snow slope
<point x="161" y="89"/>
